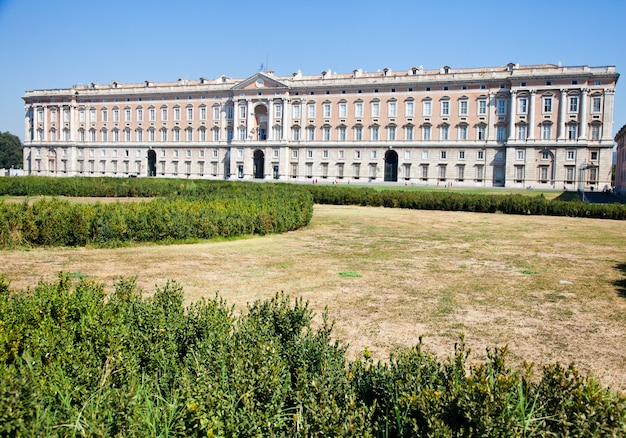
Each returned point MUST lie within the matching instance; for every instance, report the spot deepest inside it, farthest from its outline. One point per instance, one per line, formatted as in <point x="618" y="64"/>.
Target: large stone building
<point x="544" y="126"/>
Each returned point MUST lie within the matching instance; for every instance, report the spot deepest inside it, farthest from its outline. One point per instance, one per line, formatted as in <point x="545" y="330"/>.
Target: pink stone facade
<point x="541" y="126"/>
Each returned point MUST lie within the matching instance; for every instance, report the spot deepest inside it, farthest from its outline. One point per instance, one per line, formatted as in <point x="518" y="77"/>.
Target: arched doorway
<point x="261" y="120"/>
<point x="151" y="162"/>
<point x="391" y="166"/>
<point x="259" y="164"/>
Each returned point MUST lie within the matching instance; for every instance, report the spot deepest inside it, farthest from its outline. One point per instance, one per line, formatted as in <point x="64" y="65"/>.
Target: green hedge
<point x="231" y="210"/>
<point x="74" y="362"/>
<point x="450" y="201"/>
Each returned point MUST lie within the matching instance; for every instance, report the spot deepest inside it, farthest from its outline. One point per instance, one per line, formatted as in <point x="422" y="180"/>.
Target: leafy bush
<point x="74" y="361"/>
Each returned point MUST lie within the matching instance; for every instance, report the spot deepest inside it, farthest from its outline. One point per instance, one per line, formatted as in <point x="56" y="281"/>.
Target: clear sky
<point x="56" y="44"/>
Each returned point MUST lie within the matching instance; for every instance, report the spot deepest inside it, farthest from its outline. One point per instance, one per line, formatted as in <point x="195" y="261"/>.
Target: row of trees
<point x="11" y="153"/>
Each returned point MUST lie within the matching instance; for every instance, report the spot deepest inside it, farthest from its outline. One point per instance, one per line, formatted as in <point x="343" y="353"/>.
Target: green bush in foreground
<point x="76" y="362"/>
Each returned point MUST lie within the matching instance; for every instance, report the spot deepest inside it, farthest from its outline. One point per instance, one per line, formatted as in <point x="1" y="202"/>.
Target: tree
<point x="11" y="154"/>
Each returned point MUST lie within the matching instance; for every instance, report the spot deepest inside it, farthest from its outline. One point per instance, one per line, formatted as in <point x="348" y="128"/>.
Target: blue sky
<point x="56" y="44"/>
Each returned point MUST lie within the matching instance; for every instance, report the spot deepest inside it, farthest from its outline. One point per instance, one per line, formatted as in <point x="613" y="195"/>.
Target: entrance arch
<point x="259" y="164"/>
<point x="391" y="165"/>
<point x="151" y="162"/>
<point x="261" y="120"/>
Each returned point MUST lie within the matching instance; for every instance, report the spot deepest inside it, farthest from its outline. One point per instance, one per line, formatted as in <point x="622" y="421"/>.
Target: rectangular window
<point x="295" y="112"/>
<point x="295" y="134"/>
<point x="501" y="107"/>
<point x="127" y="115"/>
<point x="442" y="173"/>
<point x="443" y="155"/>
<point x="522" y="105"/>
<point x="357" y="155"/>
<point x="358" y="109"/>
<point x="408" y="133"/>
<point x="445" y="132"/>
<point x="151" y="114"/>
<point x="569" y="174"/>
<point x="177" y="114"/>
<point x="482" y="107"/>
<point x="203" y="113"/>
<point x="547" y="104"/>
<point x="326" y="109"/>
<point x="546" y="132"/>
<point x="216" y="113"/>
<point x="460" y="173"/>
<point x="391" y="133"/>
<point x="189" y="113"/>
<point x="309" y="154"/>
<point x="230" y="110"/>
<point x="311" y="110"/>
<point x="573" y="104"/>
<point x="311" y="131"/>
<point x="480" y="171"/>
<point x="462" y="132"/>
<point x="426" y="135"/>
<point x="407" y="155"/>
<point x="342" y="133"/>
<point x="571" y="155"/>
<point x="326" y="133"/>
<point x="105" y="115"/>
<point x="519" y="174"/>
<point x="375" y="133"/>
<point x="140" y="114"/>
<point x="501" y="133"/>
<point x="242" y="112"/>
<point x="278" y="111"/>
<point x="445" y="108"/>
<point x="463" y="107"/>
<point x="572" y="132"/>
<point x="409" y="109"/>
<point x="519" y="153"/>
<point x="358" y="133"/>
<point x="481" y="132"/>
<point x="424" y="171"/>
<point x="461" y="155"/>
<point x="596" y="104"/>
<point x="393" y="109"/>
<point x="427" y="108"/>
<point x="375" y="109"/>
<point x="424" y="155"/>
<point x="595" y="132"/>
<point x="480" y="155"/>
<point x="343" y="110"/>
<point x="521" y="132"/>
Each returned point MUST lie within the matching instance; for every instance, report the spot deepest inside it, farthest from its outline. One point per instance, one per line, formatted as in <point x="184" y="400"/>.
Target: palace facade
<point x="620" y="161"/>
<point x="545" y="126"/>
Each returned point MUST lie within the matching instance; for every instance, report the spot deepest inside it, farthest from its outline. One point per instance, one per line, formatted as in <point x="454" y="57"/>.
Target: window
<point x="424" y="155"/>
<point x="545" y="155"/>
<point x="407" y="155"/>
<point x="442" y="172"/>
<point x="424" y="171"/>
<point x="357" y="154"/>
<point x="105" y="115"/>
<point x="177" y="134"/>
<point x="570" y="155"/>
<point x="163" y="134"/>
<point x="482" y="107"/>
<point x="358" y="133"/>
<point x="311" y="133"/>
<point x="311" y="110"/>
<point x="216" y="113"/>
<point x="443" y="155"/>
<point x="375" y="133"/>
<point x="543" y="174"/>
<point x="522" y="105"/>
<point x="309" y="153"/>
<point x="463" y="132"/>
<point x="343" y="110"/>
<point x="519" y="174"/>
<point x="522" y="132"/>
<point x="594" y="155"/>
<point x="126" y="134"/>
<point x="295" y="134"/>
<point x="202" y="134"/>
<point x="189" y="134"/>
<point x="445" y="132"/>
<point x="140" y="114"/>
<point x="480" y="170"/>
<point x="151" y="114"/>
<point x="277" y="132"/>
<point x="501" y="133"/>
<point x="445" y="108"/>
<point x="547" y="104"/>
<point x="596" y="104"/>
<point x="326" y="133"/>
<point x="230" y="112"/>
<point x="358" y="109"/>
<point x="92" y="115"/>
<point x="426" y="132"/>
<point x="203" y="112"/>
<point x="326" y="108"/>
<point x="480" y="155"/>
<point x="127" y="114"/>
<point x="295" y="110"/>
<point x="481" y="132"/>
<point x="546" y="132"/>
<point x="427" y="108"/>
<point x="341" y="155"/>
<point x="519" y="154"/>
<point x="572" y="132"/>
<point x="139" y="135"/>
<point x="409" y="108"/>
<point x="374" y="154"/>
<point x="569" y="174"/>
<point x="242" y="112"/>
<point x="391" y="133"/>
<point x="151" y="135"/>
<point x="460" y="173"/>
<point x="463" y="107"/>
<point x="595" y="132"/>
<point x="573" y="104"/>
<point x="278" y="111"/>
<point x="342" y="133"/>
<point x="461" y="155"/>
<point x="501" y="107"/>
<point x="393" y="109"/>
<point x="408" y="133"/>
<point x="189" y="113"/>
<point x="375" y="109"/>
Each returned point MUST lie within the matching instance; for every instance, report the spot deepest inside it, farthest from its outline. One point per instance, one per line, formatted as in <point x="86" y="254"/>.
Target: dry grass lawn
<point x="551" y="288"/>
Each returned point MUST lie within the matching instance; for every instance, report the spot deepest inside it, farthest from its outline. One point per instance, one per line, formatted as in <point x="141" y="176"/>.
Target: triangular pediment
<point x="259" y="81"/>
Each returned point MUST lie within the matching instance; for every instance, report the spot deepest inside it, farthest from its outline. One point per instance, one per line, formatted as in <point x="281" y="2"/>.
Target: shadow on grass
<point x="621" y="284"/>
<point x="568" y="196"/>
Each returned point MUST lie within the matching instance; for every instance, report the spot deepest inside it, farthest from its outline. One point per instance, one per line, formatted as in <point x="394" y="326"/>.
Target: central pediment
<point x="259" y="81"/>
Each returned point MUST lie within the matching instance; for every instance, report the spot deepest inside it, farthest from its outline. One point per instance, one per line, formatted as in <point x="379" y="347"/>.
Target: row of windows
<point x="311" y="107"/>
<point x="462" y="133"/>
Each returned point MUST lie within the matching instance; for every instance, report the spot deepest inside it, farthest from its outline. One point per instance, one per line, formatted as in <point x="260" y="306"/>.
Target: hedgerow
<point x="450" y="201"/>
<point x="77" y="361"/>
<point x="230" y="210"/>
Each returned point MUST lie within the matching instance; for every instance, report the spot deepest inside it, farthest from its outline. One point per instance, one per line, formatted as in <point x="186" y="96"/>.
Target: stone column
<point x="512" y="116"/>
<point x="583" y="114"/>
<point x="531" y="115"/>
<point x="607" y="115"/>
<point x="562" y="118"/>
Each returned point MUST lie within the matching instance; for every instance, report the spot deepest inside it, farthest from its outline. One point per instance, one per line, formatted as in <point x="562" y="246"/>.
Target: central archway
<point x="391" y="166"/>
<point x="259" y="164"/>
